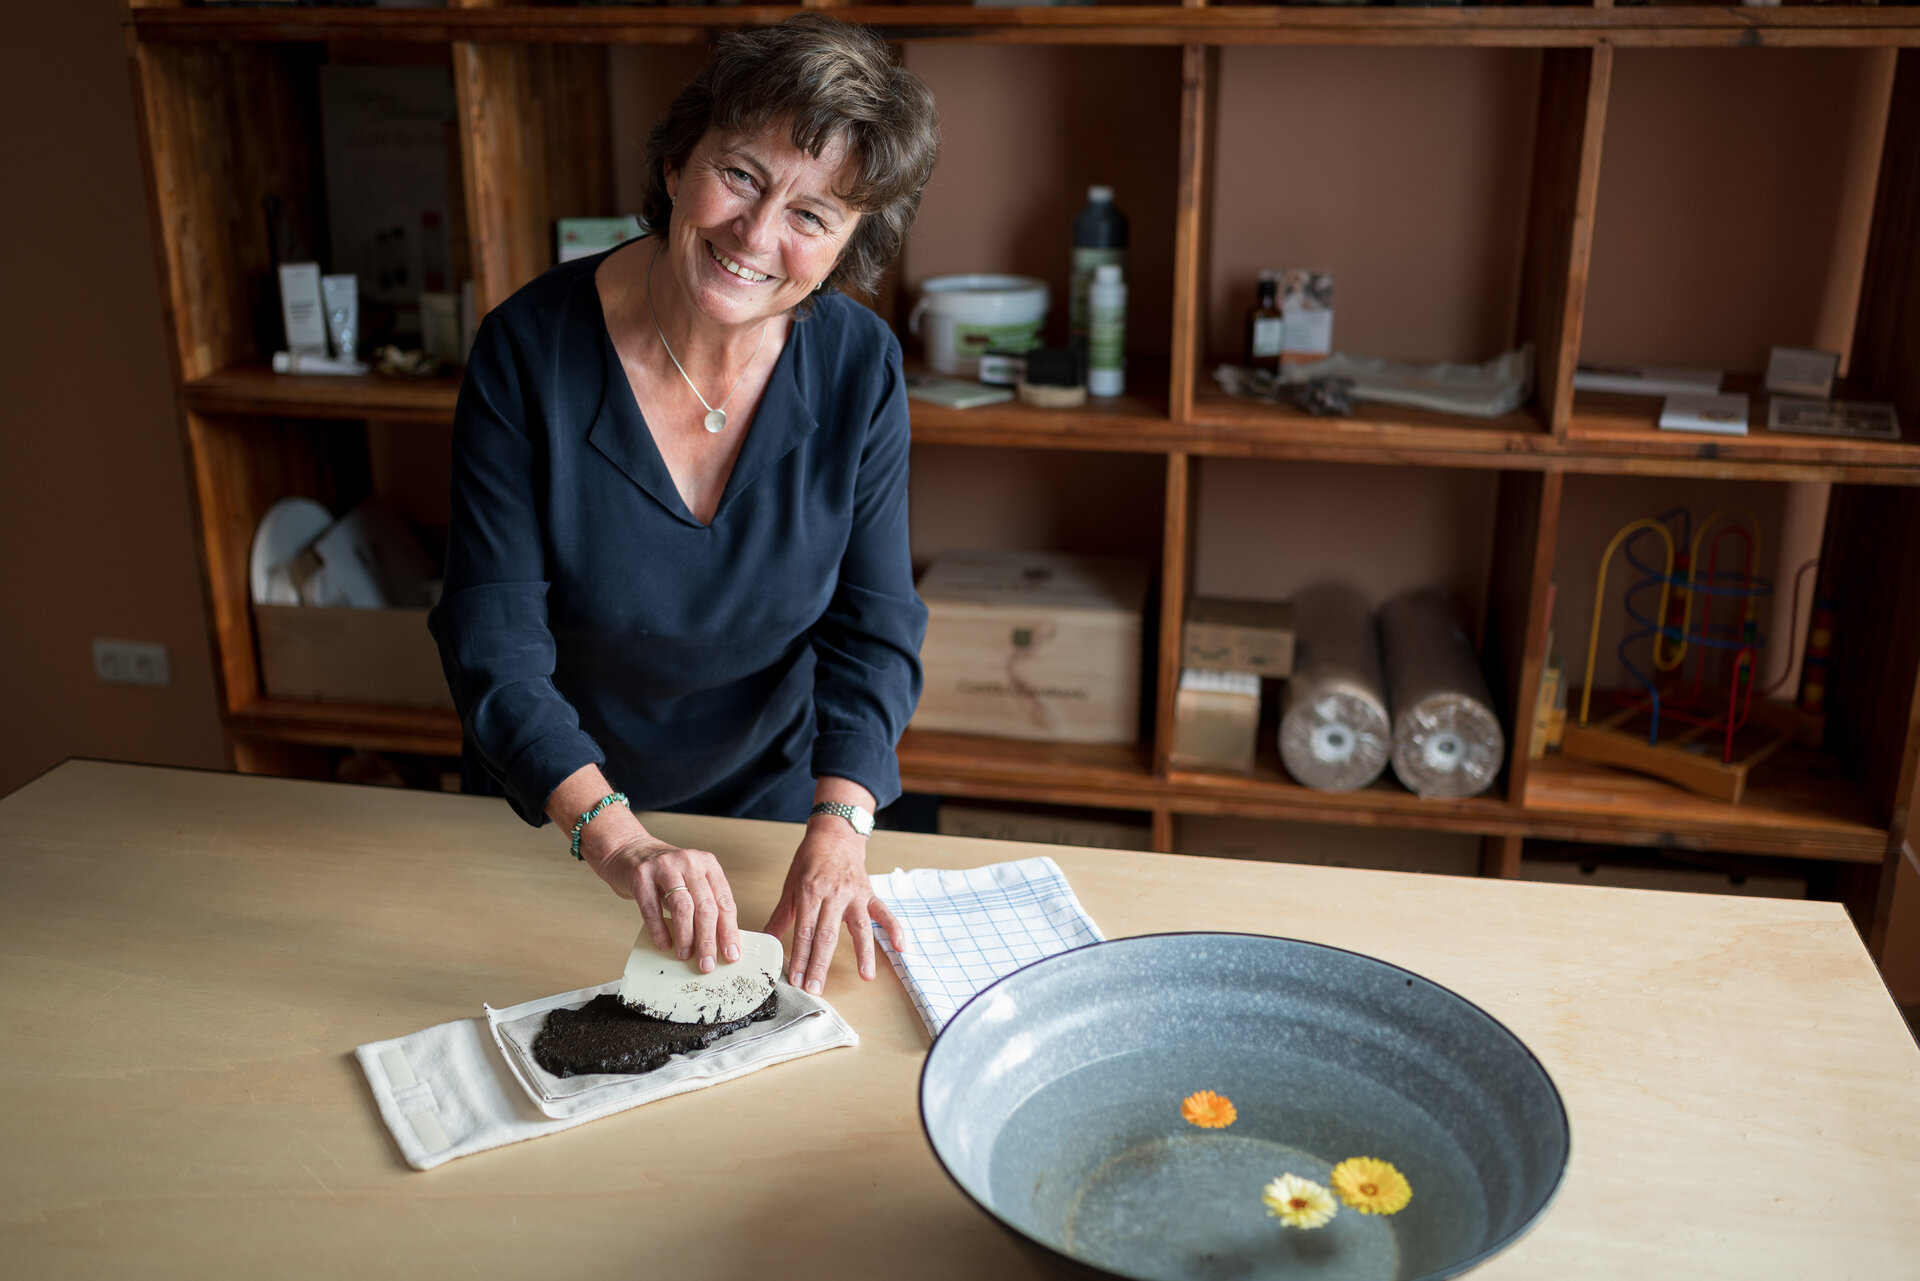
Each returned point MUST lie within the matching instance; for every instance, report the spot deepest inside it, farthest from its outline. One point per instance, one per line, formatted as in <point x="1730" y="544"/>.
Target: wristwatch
<point x="861" y="820"/>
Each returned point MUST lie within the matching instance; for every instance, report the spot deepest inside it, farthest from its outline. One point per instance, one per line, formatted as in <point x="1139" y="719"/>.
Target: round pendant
<point x="715" y="420"/>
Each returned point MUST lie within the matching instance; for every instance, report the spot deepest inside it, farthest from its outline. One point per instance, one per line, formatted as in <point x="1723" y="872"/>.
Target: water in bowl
<point x="1100" y="1166"/>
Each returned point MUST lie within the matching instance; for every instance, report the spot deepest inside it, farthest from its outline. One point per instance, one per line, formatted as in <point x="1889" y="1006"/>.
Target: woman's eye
<point x="741" y="176"/>
<point x="813" y="220"/>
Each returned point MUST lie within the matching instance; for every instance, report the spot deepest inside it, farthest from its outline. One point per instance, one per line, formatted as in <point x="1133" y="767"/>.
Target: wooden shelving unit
<point x="229" y="112"/>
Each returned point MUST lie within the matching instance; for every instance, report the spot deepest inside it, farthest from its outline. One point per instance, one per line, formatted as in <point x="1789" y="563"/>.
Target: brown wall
<point x="1736" y="187"/>
<point x="94" y="522"/>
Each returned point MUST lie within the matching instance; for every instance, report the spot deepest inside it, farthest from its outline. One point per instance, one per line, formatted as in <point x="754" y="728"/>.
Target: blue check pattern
<point x="967" y="928"/>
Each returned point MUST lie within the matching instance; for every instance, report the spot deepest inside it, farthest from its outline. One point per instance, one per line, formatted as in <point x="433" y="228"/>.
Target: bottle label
<point x="1085" y="262"/>
<point x="1267" y="332"/>
<point x="1106" y="336"/>
<point x="971" y="340"/>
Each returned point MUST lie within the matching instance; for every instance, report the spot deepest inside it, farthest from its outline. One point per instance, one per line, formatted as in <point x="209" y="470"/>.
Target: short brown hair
<point x="833" y="80"/>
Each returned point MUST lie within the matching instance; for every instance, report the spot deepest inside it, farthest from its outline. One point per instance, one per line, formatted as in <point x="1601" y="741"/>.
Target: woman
<point x="677" y="559"/>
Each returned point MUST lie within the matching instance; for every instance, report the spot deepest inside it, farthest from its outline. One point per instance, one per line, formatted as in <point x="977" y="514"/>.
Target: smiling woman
<point x="677" y="558"/>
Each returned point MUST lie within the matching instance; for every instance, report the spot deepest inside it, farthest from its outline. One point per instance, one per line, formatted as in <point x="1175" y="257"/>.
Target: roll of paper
<point x="1334" y="732"/>
<point x="1447" y="743"/>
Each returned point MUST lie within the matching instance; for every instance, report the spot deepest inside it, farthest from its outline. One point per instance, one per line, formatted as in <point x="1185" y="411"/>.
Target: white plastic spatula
<point x="662" y="986"/>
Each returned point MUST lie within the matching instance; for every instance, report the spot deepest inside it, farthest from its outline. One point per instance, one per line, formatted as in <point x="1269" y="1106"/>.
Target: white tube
<point x="1446" y="740"/>
<point x="1334" y="732"/>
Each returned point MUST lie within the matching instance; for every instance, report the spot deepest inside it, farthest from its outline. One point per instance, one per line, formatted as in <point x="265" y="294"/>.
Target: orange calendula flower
<point x="1371" y="1186"/>
<point x="1208" y="1110"/>
<point x="1298" y="1202"/>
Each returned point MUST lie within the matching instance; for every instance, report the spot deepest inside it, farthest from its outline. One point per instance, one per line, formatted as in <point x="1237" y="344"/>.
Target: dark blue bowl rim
<point x="1453" y="1270"/>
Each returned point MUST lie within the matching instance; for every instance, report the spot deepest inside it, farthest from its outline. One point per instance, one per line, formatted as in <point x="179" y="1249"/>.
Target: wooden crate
<point x="1033" y="645"/>
<point x="350" y="656"/>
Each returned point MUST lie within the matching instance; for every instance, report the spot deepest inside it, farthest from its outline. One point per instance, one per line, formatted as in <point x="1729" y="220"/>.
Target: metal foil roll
<point x="1446" y="740"/>
<point x="1334" y="731"/>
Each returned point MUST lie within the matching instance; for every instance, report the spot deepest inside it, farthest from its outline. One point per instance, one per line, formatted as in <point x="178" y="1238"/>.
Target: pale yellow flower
<point x="1208" y="1110"/>
<point x="1298" y="1202"/>
<point x="1371" y="1186"/>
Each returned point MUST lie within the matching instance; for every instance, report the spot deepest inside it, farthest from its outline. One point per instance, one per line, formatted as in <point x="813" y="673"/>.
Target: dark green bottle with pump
<point x="1099" y="240"/>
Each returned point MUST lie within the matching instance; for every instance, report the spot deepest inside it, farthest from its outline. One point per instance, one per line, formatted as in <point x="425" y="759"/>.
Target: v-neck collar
<point x="621" y="434"/>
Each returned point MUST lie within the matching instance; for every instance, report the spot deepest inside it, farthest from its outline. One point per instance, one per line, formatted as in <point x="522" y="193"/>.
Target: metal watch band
<point x="861" y="820"/>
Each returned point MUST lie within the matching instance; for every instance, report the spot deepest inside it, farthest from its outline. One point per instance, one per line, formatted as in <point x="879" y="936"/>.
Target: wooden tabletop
<point x="188" y="959"/>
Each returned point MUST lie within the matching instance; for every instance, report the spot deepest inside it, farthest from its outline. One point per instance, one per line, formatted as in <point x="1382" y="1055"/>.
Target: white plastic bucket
<point x="960" y="317"/>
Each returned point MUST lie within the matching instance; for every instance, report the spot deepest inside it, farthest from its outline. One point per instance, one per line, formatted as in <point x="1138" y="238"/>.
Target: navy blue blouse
<point x="588" y="618"/>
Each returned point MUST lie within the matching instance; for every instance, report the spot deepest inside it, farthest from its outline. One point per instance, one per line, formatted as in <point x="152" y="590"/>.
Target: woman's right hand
<point x="687" y="886"/>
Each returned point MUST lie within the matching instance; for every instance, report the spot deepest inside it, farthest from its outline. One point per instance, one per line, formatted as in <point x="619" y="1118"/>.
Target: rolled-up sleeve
<point x="491" y="623"/>
<point x="867" y="644"/>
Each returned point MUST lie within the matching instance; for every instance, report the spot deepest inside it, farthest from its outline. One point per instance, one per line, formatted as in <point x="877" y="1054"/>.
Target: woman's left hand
<point x="827" y="887"/>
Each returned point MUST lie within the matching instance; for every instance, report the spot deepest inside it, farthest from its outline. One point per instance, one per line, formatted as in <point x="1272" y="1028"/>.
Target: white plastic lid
<point x="1107" y="274"/>
<point x="1270" y="273"/>
<point x="1098" y="194"/>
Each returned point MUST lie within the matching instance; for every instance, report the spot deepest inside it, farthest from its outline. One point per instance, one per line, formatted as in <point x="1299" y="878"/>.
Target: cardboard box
<point x="1043" y="825"/>
<point x="1216" y="721"/>
<point x="383" y="656"/>
<point x="1033" y="645"/>
<point x="1225" y="635"/>
<point x="1328" y="844"/>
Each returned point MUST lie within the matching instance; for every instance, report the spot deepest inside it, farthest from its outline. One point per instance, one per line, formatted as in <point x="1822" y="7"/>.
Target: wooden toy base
<point x="1691" y="757"/>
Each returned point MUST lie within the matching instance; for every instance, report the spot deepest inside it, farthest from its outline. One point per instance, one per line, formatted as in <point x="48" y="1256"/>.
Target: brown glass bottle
<point x="1262" y="347"/>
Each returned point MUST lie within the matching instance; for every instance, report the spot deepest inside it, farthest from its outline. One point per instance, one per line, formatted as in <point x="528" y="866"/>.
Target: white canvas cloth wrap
<point x="457" y="1088"/>
<point x="967" y="928"/>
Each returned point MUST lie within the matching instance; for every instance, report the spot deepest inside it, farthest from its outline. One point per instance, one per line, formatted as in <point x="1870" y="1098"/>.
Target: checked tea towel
<point x="967" y="928"/>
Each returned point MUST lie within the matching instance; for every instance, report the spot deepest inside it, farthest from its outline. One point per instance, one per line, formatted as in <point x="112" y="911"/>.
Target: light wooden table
<point x="188" y="959"/>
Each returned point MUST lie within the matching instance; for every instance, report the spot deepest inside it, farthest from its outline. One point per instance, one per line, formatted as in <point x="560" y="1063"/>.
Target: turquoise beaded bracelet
<point x="611" y="798"/>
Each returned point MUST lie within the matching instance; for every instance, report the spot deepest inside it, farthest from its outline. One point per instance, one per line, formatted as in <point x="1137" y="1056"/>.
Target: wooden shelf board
<point x="1519" y="25"/>
<point x="421" y="730"/>
<point x="1606" y="426"/>
<point x="1800" y="802"/>
<point x="1224" y="424"/>
<point x="1269" y="793"/>
<point x="1113" y="775"/>
<point x="1136" y="421"/>
<point x="256" y="391"/>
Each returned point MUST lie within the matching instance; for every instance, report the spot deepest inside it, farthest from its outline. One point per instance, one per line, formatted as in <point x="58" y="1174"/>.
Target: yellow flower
<point x="1208" y="1110"/>
<point x="1298" y="1202"/>
<point x="1371" y="1186"/>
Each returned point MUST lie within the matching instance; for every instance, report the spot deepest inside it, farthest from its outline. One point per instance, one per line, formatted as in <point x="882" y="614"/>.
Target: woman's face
<point x="756" y="224"/>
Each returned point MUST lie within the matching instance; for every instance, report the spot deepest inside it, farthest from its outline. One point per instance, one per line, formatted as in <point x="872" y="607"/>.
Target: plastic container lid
<point x="1099" y="194"/>
<point x="1107" y="274"/>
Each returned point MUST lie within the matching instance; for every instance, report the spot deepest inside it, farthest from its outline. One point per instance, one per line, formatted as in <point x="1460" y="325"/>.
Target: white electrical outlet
<point x="131" y="663"/>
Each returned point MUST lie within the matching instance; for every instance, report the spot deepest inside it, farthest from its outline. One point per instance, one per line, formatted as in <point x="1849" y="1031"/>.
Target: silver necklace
<point x="716" y="419"/>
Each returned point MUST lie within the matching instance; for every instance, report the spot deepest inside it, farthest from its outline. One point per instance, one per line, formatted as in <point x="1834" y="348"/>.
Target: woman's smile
<point x="745" y="273"/>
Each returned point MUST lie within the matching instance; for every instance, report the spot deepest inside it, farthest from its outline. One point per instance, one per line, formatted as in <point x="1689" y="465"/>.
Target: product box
<point x="1719" y="415"/>
<point x="346" y="655"/>
<point x="1327" y="844"/>
<point x="1033" y="645"/>
<point x="1216" y="721"/>
<point x="1226" y="635"/>
<point x="1306" y="316"/>
<point x="1796" y="371"/>
<point x="1043" y="825"/>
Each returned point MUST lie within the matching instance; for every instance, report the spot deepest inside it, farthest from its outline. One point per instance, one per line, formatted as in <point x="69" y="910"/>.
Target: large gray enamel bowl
<point x="1053" y="1100"/>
